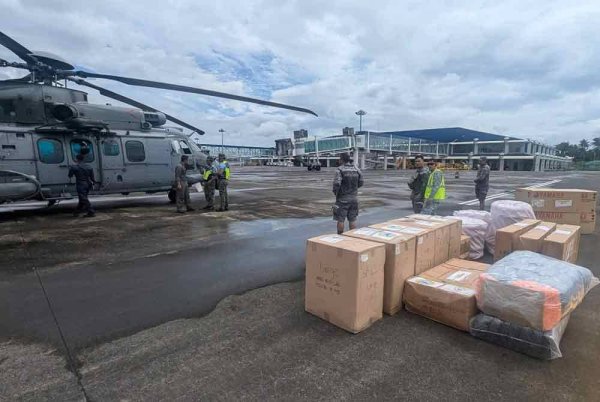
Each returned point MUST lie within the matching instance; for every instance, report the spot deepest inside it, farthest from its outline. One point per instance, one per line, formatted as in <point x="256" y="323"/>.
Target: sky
<point x="528" y="69"/>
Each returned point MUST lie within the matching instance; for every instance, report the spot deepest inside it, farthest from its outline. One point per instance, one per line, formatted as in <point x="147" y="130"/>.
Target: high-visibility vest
<point x="207" y="173"/>
<point x="227" y="171"/>
<point x="441" y="192"/>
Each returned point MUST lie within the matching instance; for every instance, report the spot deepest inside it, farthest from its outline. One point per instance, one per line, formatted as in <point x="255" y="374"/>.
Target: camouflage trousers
<point x="223" y="197"/>
<point x="209" y="193"/>
<point x="183" y="198"/>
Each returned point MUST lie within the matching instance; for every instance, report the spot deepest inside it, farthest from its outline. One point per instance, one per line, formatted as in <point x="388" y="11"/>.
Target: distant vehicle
<point x="44" y="125"/>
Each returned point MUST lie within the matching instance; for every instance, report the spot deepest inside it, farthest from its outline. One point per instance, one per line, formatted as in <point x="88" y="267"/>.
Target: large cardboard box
<point x="399" y="262"/>
<point x="344" y="281"/>
<point x="455" y="226"/>
<point x="508" y="238"/>
<point x="558" y="200"/>
<point x="533" y="240"/>
<point x="587" y="220"/>
<point x="445" y="293"/>
<point x="563" y="243"/>
<point x="442" y="236"/>
<point x="425" y="251"/>
<point x="465" y="246"/>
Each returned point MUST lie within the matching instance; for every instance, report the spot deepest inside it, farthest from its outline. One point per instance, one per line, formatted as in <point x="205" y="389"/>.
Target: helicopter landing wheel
<point x="172" y="196"/>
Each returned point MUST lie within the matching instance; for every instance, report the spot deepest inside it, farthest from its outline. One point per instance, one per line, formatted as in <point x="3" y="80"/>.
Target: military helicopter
<point x="44" y="125"/>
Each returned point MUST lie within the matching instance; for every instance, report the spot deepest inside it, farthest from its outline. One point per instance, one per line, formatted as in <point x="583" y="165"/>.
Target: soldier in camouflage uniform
<point x="183" y="192"/>
<point x="209" y="181"/>
<point x="348" y="179"/>
<point x="482" y="182"/>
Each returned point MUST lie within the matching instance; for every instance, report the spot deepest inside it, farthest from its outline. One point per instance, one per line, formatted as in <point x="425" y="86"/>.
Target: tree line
<point x="584" y="151"/>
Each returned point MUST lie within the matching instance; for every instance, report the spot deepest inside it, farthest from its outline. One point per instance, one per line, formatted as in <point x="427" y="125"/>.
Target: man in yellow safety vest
<point x="435" y="191"/>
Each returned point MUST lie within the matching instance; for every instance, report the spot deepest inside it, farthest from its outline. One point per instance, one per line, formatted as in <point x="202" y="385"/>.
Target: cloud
<point x="527" y="69"/>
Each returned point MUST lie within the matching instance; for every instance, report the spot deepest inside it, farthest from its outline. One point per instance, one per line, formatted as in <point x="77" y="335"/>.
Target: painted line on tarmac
<point x="475" y="201"/>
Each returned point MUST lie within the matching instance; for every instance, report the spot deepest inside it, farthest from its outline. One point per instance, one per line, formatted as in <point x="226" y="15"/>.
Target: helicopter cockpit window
<point x="50" y="150"/>
<point x="135" y="151"/>
<point x="110" y="148"/>
<point x="83" y="147"/>
<point x="185" y="147"/>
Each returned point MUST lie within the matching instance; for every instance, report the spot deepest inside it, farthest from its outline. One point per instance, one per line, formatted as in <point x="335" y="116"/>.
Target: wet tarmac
<point x="138" y="264"/>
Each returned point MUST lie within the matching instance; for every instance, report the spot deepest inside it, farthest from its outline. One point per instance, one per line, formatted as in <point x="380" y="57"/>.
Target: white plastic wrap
<point x="504" y="213"/>
<point x="476" y="229"/>
<point x="532" y="290"/>
<point x="475" y="214"/>
<point x="532" y="342"/>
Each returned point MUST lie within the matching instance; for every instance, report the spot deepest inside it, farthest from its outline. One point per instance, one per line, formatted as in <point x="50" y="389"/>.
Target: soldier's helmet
<point x="210" y="158"/>
<point x="222" y="156"/>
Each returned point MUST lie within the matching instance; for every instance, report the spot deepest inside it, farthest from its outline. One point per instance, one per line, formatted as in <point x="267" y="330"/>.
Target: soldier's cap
<point x="210" y="158"/>
<point x="483" y="158"/>
<point x="221" y="155"/>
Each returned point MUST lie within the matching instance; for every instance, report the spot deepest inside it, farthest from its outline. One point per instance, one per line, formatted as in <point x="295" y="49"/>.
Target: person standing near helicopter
<point x="223" y="175"/>
<point x="183" y="191"/>
<point x="84" y="182"/>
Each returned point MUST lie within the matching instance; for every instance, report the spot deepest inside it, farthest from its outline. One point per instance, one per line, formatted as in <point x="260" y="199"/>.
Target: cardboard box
<point x="563" y="243"/>
<point x="344" y="281"/>
<point x="399" y="262"/>
<point x="587" y="227"/>
<point x="455" y="231"/>
<point x="586" y="220"/>
<point x="533" y="240"/>
<point x="508" y="238"/>
<point x="558" y="200"/>
<point x="442" y="236"/>
<point x="445" y="293"/>
<point x="465" y="246"/>
<point x="425" y="251"/>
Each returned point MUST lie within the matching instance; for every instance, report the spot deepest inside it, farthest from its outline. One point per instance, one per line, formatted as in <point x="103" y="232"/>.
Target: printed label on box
<point x="425" y="282"/>
<point x="521" y="224"/>
<point x="541" y="227"/>
<point x="563" y="232"/>
<point x="398" y="249"/>
<point x="366" y="231"/>
<point x="563" y="203"/>
<point x="458" y="289"/>
<point x="537" y="203"/>
<point x="364" y="257"/>
<point x="459" y="276"/>
<point x="420" y="241"/>
<point x="382" y="234"/>
<point x="425" y="223"/>
<point x="411" y="230"/>
<point x="396" y="228"/>
<point x="332" y="239"/>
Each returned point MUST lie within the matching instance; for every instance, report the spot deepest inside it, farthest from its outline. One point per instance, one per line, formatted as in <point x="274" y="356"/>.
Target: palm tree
<point x="596" y="143"/>
<point x="584" y="144"/>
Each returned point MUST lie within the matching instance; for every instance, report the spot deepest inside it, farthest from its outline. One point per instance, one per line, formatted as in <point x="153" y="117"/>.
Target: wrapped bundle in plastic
<point x="504" y="213"/>
<point x="532" y="290"/>
<point x="532" y="342"/>
<point x="476" y="230"/>
<point x="475" y="214"/>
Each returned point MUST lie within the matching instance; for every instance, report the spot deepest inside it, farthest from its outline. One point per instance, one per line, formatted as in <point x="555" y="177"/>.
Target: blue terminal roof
<point x="451" y="134"/>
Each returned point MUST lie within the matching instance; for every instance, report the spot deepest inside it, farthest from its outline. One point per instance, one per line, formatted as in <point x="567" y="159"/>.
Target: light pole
<point x="360" y="115"/>
<point x="221" y="131"/>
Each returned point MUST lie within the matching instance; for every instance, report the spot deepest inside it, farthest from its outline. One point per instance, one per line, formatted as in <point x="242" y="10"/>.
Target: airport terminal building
<point x="398" y="148"/>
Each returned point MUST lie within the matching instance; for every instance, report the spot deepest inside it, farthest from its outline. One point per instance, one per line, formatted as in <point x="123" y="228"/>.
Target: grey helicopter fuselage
<point x="43" y="128"/>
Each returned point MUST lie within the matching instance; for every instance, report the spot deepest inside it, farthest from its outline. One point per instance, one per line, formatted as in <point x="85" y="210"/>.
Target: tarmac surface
<point x="134" y="292"/>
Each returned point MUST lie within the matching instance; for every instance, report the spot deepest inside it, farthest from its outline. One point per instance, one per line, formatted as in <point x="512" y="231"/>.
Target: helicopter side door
<point x="52" y="162"/>
<point x="113" y="166"/>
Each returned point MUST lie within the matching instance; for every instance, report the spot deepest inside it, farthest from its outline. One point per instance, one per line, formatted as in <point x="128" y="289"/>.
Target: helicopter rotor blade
<point x="17" y="48"/>
<point x="21" y="80"/>
<point x="183" y="88"/>
<point x="129" y="101"/>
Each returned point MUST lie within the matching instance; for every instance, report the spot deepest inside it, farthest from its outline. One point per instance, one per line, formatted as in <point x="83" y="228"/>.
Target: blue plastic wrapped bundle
<point x="533" y="290"/>
<point x="532" y="342"/>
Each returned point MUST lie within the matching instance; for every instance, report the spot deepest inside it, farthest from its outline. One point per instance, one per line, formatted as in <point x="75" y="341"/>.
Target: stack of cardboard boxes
<point x="352" y="278"/>
<point x="567" y="206"/>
